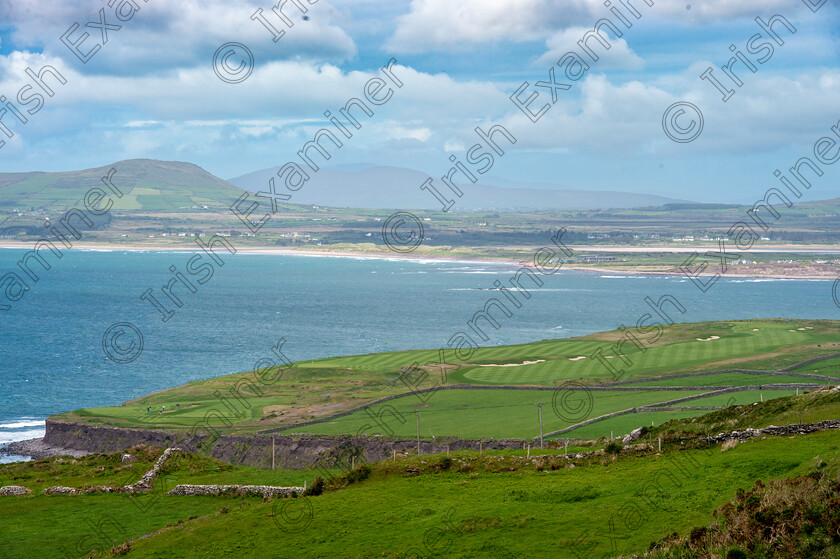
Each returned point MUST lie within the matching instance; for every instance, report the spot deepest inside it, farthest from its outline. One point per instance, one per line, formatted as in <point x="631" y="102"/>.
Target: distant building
<point x="596" y="258"/>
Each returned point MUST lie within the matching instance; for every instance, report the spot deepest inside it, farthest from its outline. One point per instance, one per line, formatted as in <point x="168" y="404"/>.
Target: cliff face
<point x="256" y="450"/>
<point x="92" y="438"/>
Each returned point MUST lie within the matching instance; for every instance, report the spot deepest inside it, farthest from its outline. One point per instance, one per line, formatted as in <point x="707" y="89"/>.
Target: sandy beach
<point x="387" y="255"/>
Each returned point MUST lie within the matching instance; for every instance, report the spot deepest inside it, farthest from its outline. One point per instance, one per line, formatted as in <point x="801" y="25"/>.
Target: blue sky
<point x="151" y="92"/>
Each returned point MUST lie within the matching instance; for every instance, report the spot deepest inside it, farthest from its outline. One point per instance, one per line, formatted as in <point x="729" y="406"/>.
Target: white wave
<point x="504" y="272"/>
<point x="20" y="424"/>
<point x="14" y="436"/>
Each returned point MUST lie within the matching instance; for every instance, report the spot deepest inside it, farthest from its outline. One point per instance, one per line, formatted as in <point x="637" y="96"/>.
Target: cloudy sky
<point x="150" y="91"/>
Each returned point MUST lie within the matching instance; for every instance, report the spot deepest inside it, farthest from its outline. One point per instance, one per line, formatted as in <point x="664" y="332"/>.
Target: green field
<point x="493" y="506"/>
<point x="473" y="414"/>
<point x="460" y="504"/>
<point x="319" y="389"/>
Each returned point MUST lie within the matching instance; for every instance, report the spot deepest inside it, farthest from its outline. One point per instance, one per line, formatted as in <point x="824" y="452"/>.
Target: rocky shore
<point x="38" y="448"/>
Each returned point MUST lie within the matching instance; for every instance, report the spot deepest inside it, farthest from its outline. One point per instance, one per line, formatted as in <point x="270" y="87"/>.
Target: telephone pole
<point x="541" y="428"/>
<point x="418" y="432"/>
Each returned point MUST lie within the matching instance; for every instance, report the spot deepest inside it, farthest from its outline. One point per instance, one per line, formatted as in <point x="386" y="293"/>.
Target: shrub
<point x="735" y="553"/>
<point x="613" y="447"/>
<point x="359" y="474"/>
<point x="316" y="488"/>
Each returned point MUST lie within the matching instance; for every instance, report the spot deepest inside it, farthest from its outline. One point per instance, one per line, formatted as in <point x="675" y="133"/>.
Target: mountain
<point x="146" y="184"/>
<point x="397" y="187"/>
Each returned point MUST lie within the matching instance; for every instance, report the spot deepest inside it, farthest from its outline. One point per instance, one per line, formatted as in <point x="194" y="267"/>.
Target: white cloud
<point x="165" y="35"/>
<point x="619" y="56"/>
<point x="437" y="25"/>
<point x="610" y="119"/>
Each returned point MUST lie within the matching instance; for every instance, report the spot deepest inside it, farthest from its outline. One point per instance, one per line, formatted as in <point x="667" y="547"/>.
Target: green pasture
<point x="318" y="389"/>
<point x="730" y="379"/>
<point x="487" y="413"/>
<point x="773" y="343"/>
<point x="491" y="512"/>
<point x="811" y="407"/>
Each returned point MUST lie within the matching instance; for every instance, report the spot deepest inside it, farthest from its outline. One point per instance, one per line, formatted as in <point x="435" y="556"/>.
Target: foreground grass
<point x="476" y="508"/>
<point x="40" y="526"/>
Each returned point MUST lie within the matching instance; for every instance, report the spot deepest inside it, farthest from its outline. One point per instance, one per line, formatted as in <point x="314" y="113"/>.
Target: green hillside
<point x="496" y="392"/>
<point x="147" y="185"/>
<point x="465" y="505"/>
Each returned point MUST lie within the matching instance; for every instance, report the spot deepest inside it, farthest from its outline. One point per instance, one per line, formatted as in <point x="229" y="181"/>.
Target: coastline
<point x="38" y="448"/>
<point x="385" y="255"/>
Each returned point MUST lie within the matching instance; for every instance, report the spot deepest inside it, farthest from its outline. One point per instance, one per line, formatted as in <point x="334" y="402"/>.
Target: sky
<point x="149" y="89"/>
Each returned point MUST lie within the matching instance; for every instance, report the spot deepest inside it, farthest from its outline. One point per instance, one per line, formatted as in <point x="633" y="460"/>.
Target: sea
<point x="54" y="338"/>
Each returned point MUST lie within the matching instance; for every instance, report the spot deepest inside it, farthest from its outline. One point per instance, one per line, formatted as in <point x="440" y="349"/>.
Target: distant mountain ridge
<point x="383" y="187"/>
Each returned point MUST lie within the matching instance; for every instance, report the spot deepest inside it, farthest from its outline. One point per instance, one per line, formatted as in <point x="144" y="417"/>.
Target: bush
<point x="359" y="474"/>
<point x="735" y="553"/>
<point x="613" y="447"/>
<point x="316" y="488"/>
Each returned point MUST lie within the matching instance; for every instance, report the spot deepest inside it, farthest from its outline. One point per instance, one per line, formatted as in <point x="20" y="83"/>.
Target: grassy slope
<point x="146" y="185"/>
<point x="39" y="526"/>
<point x="320" y="388"/>
<point x="807" y="408"/>
<point x="497" y="505"/>
<point x="500" y="513"/>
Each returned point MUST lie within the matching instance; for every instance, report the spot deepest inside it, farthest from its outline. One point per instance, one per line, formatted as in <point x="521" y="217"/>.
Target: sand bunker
<point x="515" y="364"/>
<point x="708" y="339"/>
<point x="578" y="358"/>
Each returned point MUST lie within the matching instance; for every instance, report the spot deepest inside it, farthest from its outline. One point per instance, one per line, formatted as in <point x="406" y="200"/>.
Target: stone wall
<point x="244" y="490"/>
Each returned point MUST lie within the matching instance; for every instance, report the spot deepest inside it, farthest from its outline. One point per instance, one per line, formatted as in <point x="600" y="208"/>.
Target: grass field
<point x="486" y="511"/>
<point x="462" y="505"/>
<point x="318" y="389"/>
<point x="499" y="414"/>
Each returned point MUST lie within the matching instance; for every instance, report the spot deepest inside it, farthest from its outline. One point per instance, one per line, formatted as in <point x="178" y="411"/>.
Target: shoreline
<point x="275" y="251"/>
<point x="37" y="448"/>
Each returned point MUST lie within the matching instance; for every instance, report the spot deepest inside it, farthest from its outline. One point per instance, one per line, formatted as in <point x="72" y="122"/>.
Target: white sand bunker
<point x="708" y="339"/>
<point x="515" y="364"/>
<point x="578" y="358"/>
<point x="755" y="329"/>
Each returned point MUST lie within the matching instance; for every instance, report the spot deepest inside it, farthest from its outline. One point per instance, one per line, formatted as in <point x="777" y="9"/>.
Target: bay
<point x="52" y="359"/>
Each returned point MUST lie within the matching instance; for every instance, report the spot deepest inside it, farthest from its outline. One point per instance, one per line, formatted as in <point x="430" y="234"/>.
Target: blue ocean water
<point x="51" y="356"/>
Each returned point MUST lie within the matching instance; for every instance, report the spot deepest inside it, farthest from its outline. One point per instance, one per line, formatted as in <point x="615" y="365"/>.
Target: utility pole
<point x="272" y="451"/>
<point x="541" y="428"/>
<point x="417" y="413"/>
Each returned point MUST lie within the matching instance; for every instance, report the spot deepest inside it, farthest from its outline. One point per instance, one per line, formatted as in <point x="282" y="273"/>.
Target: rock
<point x="127" y="458"/>
<point x="632" y="436"/>
<point x="14" y="490"/>
<point x="261" y="490"/>
<point x="59" y="490"/>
